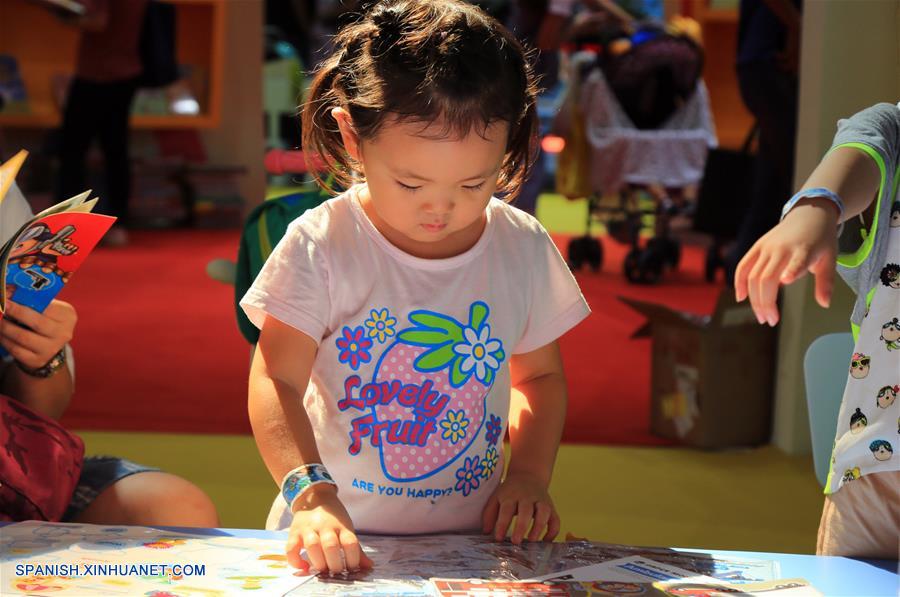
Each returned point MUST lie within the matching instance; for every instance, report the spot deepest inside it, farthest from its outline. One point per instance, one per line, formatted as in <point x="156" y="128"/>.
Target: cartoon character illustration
<point x="886" y="396"/>
<point x="895" y="214"/>
<point x="851" y="474"/>
<point x="859" y="365"/>
<point x="39" y="245"/>
<point x="890" y="334"/>
<point x="890" y="275"/>
<point x="881" y="450"/>
<point x="858" y="422"/>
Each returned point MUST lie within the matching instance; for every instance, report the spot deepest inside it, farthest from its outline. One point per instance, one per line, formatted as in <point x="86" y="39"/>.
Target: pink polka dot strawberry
<point x="426" y="402"/>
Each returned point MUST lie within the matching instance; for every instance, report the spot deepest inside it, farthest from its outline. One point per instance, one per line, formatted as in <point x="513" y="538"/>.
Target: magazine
<point x="38" y="260"/>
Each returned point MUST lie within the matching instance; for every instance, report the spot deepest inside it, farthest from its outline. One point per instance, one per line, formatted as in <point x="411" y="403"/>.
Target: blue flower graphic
<point x="475" y="351"/>
<point x="494" y="426"/>
<point x="489" y="462"/>
<point x="455" y="425"/>
<point x="354" y="347"/>
<point x="468" y="476"/>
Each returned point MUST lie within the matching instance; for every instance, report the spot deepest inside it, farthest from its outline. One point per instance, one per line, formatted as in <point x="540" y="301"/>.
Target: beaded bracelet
<point x="302" y="478"/>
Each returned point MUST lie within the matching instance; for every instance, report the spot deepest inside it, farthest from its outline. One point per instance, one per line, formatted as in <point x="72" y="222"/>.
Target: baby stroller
<point x="637" y="121"/>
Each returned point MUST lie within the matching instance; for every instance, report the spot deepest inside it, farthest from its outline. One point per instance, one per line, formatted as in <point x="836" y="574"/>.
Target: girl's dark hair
<point x="424" y="61"/>
<point x="858" y="416"/>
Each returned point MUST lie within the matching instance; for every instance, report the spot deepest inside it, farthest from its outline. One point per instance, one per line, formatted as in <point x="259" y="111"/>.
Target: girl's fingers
<point x="823" y="270"/>
<point x="768" y="288"/>
<point x="293" y="547"/>
<point x="753" y="287"/>
<point x="314" y="553"/>
<point x="552" y="527"/>
<point x="331" y="549"/>
<point x="352" y="550"/>
<point x="489" y="515"/>
<point x="365" y="562"/>
<point x="797" y="266"/>
<point x="542" y="513"/>
<point x="741" y="273"/>
<point x="524" y="518"/>
<point x="504" y="518"/>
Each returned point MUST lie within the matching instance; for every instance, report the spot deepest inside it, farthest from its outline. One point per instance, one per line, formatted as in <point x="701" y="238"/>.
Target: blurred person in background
<point x="98" y="105"/>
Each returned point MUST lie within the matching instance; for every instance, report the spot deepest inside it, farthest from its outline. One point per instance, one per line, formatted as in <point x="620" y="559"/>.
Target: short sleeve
<point x="292" y="285"/>
<point x="557" y="304"/>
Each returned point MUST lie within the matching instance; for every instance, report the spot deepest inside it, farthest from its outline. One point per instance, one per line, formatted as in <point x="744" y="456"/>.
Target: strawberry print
<point x="425" y="405"/>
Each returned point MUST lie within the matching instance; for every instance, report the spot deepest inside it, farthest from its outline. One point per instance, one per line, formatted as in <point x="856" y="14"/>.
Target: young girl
<point x="860" y="517"/>
<point x="397" y="317"/>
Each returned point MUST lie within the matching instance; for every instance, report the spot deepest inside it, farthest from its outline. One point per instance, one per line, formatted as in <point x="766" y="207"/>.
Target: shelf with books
<point x="45" y="67"/>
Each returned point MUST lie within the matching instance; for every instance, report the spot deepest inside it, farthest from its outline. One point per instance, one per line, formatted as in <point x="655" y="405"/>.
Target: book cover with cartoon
<point x="40" y="258"/>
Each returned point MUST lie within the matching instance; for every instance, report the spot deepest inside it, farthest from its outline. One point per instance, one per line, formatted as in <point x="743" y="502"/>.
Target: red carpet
<point x="157" y="347"/>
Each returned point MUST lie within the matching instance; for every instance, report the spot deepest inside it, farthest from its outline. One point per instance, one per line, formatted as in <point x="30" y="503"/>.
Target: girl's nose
<point x="441" y="206"/>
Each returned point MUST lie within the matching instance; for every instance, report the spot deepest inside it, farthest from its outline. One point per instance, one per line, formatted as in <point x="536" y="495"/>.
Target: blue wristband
<point x="815" y="192"/>
<point x="302" y="478"/>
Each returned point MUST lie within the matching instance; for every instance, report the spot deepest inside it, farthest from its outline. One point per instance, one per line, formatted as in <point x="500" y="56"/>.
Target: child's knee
<point x="165" y="499"/>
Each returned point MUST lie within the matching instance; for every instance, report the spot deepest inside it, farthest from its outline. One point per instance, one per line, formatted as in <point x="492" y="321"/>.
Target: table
<point x="830" y="575"/>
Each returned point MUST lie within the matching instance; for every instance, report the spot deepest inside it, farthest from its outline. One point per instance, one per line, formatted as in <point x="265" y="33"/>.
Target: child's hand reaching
<point x="806" y="240"/>
<point x="323" y="526"/>
<point x="524" y="497"/>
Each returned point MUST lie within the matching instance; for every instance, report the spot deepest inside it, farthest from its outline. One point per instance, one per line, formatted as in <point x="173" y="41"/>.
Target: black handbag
<point x="157" y="46"/>
<point x="726" y="190"/>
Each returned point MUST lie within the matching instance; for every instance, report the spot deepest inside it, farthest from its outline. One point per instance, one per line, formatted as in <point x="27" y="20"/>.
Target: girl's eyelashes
<point x="407" y="187"/>
<point x="412" y="189"/>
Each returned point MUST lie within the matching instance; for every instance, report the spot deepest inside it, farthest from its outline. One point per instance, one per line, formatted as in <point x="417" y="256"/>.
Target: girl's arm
<point x="536" y="418"/>
<point x="806" y="239"/>
<point x="279" y="375"/>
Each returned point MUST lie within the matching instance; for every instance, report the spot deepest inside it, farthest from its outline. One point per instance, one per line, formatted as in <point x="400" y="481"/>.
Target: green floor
<point x="758" y="500"/>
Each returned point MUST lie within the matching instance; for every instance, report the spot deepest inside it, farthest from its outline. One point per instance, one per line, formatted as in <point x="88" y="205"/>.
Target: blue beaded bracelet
<point x="302" y="478"/>
<point x="815" y="192"/>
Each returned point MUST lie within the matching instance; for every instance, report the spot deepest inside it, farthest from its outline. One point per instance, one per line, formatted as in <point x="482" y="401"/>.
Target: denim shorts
<point x="98" y="473"/>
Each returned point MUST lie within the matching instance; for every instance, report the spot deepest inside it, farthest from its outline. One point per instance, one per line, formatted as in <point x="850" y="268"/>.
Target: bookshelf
<point x="45" y="48"/>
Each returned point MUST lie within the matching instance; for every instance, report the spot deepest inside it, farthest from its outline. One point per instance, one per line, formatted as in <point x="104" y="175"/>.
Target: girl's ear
<point x="348" y="133"/>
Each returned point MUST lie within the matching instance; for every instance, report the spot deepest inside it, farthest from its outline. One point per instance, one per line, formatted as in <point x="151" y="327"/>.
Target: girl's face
<point x="426" y="192"/>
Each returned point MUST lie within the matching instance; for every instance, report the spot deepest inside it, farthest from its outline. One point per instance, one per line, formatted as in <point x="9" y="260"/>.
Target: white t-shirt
<point x="409" y="393"/>
<point x="869" y="420"/>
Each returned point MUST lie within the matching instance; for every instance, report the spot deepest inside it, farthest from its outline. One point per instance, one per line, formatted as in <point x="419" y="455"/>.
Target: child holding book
<point x="406" y="323"/>
<point x="39" y="373"/>
<point x="858" y="177"/>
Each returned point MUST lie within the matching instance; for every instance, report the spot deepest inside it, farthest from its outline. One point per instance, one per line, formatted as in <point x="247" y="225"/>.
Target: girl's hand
<point x="525" y="497"/>
<point x="44" y="334"/>
<point x="806" y="240"/>
<point x="322" y="526"/>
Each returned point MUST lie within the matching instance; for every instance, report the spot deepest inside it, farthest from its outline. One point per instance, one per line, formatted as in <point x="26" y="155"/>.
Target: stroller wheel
<point x="643" y="266"/>
<point x="666" y="249"/>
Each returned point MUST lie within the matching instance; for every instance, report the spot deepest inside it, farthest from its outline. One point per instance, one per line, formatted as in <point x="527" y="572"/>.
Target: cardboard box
<point x="712" y="381"/>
